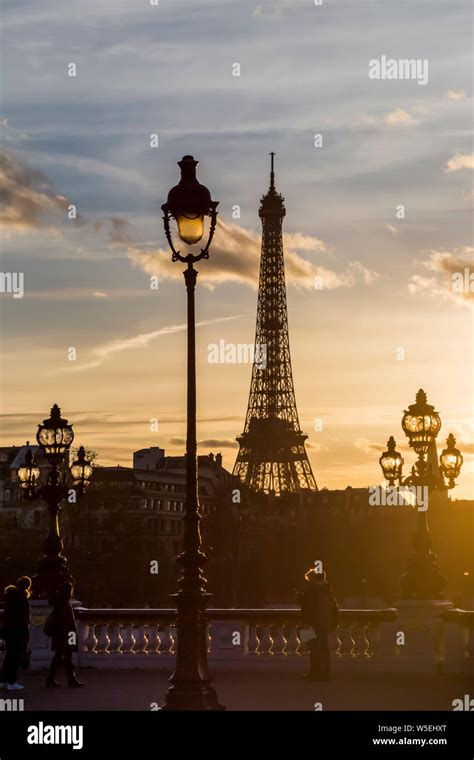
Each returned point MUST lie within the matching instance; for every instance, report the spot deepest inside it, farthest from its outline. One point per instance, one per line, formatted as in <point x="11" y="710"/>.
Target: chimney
<point x="219" y="459"/>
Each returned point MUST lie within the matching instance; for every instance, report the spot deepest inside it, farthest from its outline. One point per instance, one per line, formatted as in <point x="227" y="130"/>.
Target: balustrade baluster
<point x="149" y="639"/>
<point x="279" y="640"/>
<point x="128" y="640"/>
<point x="115" y="639"/>
<point x="253" y="639"/>
<point x="292" y="641"/>
<point x="167" y="639"/>
<point x="266" y="642"/>
<point x="361" y="642"/>
<point x="91" y="642"/>
<point x="102" y="646"/>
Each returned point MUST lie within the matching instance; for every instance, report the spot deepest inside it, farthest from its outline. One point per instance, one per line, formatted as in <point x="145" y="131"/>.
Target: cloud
<point x="235" y="257"/>
<point x="456" y="94"/>
<point x="210" y="443"/>
<point x="105" y="351"/>
<point x="460" y="161"/>
<point x="392" y="229"/>
<point x="117" y="229"/>
<point x="452" y="278"/>
<point x="399" y="117"/>
<point x="316" y="447"/>
<point x="363" y="444"/>
<point x="27" y="197"/>
<point x="30" y="202"/>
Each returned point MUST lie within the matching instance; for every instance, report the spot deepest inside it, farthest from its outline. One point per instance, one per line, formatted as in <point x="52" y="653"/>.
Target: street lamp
<point x="451" y="461"/>
<point x="54" y="438"/>
<point x="81" y="472"/>
<point x="28" y="474"/>
<point x="421" y="424"/>
<point x="191" y="687"/>
<point x="391" y="462"/>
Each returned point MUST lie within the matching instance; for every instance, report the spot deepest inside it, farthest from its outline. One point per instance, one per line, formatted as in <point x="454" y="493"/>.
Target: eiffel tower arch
<point x="272" y="457"/>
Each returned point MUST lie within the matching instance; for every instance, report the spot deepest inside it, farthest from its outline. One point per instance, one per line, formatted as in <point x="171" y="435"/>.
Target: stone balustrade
<point x="256" y="637"/>
<point x="434" y="638"/>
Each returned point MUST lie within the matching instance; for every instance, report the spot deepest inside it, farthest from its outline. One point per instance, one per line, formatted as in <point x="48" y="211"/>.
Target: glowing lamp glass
<point x="190" y="227"/>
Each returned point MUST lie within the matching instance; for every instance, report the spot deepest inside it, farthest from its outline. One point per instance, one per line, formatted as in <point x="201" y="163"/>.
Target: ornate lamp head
<point x="28" y="473"/>
<point x="55" y="436"/>
<point x="451" y="461"/>
<point x="421" y="424"/>
<point x="188" y="203"/>
<point x="391" y="462"/>
<point x="81" y="470"/>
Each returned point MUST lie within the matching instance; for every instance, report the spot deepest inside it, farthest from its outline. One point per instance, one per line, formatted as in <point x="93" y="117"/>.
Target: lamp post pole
<point x="53" y="568"/>
<point x="190" y="685"/>
<point x="423" y="578"/>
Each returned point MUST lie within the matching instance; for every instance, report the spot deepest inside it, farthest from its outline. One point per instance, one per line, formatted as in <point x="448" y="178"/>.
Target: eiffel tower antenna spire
<point x="272" y="457"/>
<point x="272" y="172"/>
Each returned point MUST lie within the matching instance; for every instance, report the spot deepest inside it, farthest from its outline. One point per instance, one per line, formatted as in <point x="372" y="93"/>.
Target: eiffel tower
<point x="272" y="456"/>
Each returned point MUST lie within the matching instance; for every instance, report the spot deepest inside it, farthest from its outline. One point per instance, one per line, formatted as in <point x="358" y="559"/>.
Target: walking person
<point x="61" y="628"/>
<point x="16" y="623"/>
<point x="319" y="611"/>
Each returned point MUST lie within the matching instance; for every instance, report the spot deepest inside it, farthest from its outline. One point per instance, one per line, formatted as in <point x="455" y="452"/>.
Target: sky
<point x="378" y="224"/>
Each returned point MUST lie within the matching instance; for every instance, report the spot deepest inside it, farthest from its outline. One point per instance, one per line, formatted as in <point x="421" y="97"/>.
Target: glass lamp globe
<point x="451" y="460"/>
<point x="55" y="435"/>
<point x="391" y="462"/>
<point x="421" y="423"/>
<point x="81" y="469"/>
<point x="29" y="473"/>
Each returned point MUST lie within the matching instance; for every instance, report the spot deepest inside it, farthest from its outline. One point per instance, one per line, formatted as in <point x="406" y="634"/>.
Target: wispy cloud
<point x="450" y="279"/>
<point x="399" y="117"/>
<point x="27" y="197"/>
<point x="363" y="444"/>
<point x="211" y="443"/>
<point x="105" y="351"/>
<point x="456" y="94"/>
<point x="236" y="258"/>
<point x="29" y="202"/>
<point x="460" y="161"/>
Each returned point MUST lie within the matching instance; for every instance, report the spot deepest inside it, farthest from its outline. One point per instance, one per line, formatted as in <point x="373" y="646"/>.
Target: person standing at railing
<point x="319" y="613"/>
<point x="15" y="631"/>
<point x="61" y="628"/>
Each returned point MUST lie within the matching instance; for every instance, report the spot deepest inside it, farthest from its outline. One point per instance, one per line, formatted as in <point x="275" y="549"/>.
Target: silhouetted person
<point x="61" y="627"/>
<point x="16" y="623"/>
<point x="320" y="611"/>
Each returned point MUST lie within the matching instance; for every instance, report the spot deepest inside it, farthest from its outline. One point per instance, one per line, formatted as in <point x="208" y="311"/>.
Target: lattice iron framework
<point x="272" y="455"/>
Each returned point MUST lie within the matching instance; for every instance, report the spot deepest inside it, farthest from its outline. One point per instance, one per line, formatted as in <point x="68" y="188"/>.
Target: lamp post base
<point x="52" y="571"/>
<point x="191" y="685"/>
<point x="423" y="579"/>
<point x="188" y="696"/>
